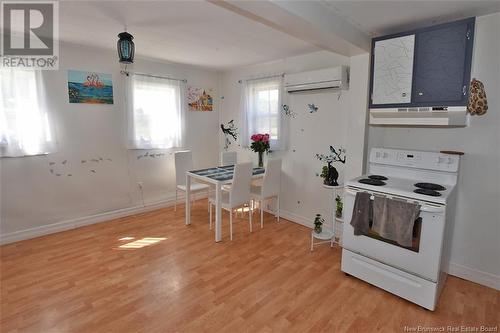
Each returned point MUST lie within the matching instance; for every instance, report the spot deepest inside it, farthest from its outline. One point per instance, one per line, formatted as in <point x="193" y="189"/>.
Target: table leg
<point x="218" y="213"/>
<point x="188" y="200"/>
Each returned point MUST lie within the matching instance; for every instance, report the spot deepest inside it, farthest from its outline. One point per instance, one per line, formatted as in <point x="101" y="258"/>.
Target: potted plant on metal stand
<point x="318" y="223"/>
<point x="330" y="174"/>
<point x="339" y="205"/>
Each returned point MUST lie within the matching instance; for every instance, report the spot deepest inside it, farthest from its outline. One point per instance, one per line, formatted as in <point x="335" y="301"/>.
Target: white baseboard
<point x="87" y="220"/>
<point x="294" y="218"/>
<point x="474" y="275"/>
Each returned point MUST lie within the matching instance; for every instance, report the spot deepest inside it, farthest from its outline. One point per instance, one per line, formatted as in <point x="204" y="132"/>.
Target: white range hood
<point x="420" y="116"/>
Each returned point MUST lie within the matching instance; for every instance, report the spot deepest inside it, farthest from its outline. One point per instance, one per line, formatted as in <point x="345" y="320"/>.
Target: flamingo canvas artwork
<point x="90" y="87"/>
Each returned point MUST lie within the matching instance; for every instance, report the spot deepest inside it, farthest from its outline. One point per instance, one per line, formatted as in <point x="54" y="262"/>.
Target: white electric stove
<point x="416" y="273"/>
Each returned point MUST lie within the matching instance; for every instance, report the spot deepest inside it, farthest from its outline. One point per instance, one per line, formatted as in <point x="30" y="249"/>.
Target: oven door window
<point x="417" y="228"/>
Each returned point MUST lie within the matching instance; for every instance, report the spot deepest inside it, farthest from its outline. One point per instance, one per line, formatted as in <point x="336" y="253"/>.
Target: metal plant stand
<point x="334" y="235"/>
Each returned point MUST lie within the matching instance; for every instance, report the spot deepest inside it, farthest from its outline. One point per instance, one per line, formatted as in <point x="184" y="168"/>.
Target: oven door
<point x="422" y="258"/>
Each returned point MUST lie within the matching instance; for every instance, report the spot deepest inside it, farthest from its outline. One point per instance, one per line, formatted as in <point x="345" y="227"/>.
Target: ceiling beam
<point x="310" y="21"/>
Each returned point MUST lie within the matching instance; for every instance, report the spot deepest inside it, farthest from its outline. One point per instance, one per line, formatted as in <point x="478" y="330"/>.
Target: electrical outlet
<point x="140" y="184"/>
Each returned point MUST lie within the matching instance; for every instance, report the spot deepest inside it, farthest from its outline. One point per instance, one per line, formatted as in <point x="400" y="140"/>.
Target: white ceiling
<point x="190" y="32"/>
<point x="204" y="34"/>
<point x="377" y="18"/>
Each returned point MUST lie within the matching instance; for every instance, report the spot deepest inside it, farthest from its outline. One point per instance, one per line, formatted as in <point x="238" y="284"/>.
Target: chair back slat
<point x="183" y="163"/>
<point x="242" y="180"/>
<point x="272" y="178"/>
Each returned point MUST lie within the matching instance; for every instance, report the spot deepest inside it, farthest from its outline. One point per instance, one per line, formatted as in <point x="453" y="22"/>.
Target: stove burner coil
<point x="373" y="182"/>
<point x="430" y="186"/>
<point x="377" y="177"/>
<point x="431" y="193"/>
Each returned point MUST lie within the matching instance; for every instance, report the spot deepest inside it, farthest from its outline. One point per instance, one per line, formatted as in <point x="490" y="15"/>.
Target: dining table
<point x="217" y="176"/>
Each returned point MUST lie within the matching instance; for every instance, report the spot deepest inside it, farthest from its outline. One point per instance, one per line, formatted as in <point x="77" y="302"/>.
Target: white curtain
<point x="155" y="112"/>
<point x="24" y="123"/>
<point x="261" y="106"/>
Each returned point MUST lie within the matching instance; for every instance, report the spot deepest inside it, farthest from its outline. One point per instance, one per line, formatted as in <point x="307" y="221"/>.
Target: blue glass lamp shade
<point x="126" y="48"/>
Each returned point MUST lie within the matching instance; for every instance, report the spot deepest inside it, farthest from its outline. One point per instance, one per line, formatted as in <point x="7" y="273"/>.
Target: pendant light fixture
<point x="126" y="48"/>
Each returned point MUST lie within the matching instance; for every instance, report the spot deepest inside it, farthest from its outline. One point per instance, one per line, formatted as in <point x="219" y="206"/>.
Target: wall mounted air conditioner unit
<point x="322" y="79"/>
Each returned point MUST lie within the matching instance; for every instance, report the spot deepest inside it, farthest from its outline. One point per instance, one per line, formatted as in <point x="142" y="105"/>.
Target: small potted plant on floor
<point x="339" y="206"/>
<point x="318" y="223"/>
<point x="260" y="144"/>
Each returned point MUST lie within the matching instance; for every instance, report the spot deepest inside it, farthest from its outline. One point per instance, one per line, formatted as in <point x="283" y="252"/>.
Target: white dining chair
<point x="228" y="158"/>
<point x="269" y="188"/>
<point x="184" y="163"/>
<point x="237" y="196"/>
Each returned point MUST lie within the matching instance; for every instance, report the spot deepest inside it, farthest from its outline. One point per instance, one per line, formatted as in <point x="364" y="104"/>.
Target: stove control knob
<point x="441" y="160"/>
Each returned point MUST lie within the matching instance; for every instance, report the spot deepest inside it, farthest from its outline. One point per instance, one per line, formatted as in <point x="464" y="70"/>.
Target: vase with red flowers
<point x="260" y="144"/>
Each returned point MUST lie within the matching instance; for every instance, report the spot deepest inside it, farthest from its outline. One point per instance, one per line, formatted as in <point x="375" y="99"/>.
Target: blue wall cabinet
<point x="436" y="60"/>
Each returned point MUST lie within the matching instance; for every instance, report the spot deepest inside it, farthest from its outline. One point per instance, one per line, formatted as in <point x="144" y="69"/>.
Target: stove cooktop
<point x="411" y="188"/>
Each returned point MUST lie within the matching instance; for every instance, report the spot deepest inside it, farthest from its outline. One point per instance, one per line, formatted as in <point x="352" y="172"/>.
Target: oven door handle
<point x="350" y="192"/>
<point x="423" y="208"/>
<point x="432" y="209"/>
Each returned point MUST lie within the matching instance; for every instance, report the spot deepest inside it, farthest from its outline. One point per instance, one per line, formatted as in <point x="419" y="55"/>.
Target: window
<point x="261" y="108"/>
<point x="24" y="123"/>
<point x="155" y="115"/>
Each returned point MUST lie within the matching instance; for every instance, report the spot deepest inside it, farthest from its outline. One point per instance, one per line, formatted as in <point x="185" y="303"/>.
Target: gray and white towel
<point x="394" y="219"/>
<point x="361" y="213"/>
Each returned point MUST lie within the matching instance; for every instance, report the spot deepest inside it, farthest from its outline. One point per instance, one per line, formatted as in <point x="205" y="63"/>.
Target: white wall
<point x="33" y="199"/>
<point x="476" y="239"/>
<point x="335" y="123"/>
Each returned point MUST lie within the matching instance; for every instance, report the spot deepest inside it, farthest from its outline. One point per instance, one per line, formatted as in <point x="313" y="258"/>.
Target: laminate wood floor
<point x="151" y="273"/>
